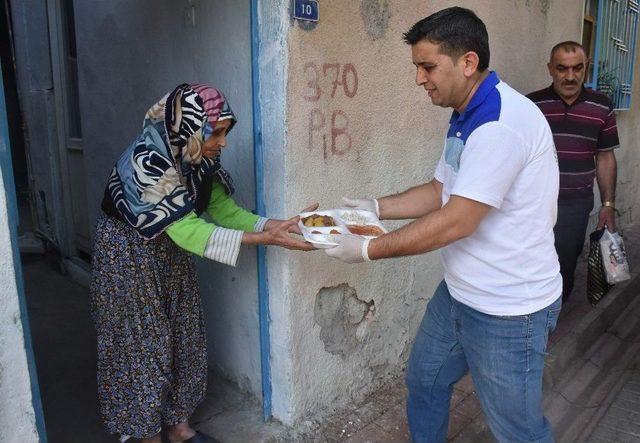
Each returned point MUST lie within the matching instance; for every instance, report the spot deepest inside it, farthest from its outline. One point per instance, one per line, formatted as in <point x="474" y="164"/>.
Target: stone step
<point x="583" y="400"/>
<point x="576" y="344"/>
<point x="583" y="368"/>
<point x="574" y="401"/>
<point x="620" y="421"/>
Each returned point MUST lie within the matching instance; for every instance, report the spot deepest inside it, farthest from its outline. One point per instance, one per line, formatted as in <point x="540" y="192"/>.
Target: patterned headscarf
<point x="156" y="180"/>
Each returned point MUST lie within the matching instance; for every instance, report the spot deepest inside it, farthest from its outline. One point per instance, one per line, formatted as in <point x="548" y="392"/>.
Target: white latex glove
<point x="367" y="204"/>
<point x="350" y="249"/>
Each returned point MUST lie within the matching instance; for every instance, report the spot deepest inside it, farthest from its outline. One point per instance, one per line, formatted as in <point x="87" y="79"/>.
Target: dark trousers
<point x="570" y="230"/>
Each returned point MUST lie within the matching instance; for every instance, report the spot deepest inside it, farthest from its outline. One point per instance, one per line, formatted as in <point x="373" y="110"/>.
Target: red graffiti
<point x="340" y="76"/>
<point x="316" y="123"/>
<point x="340" y="129"/>
<point x="349" y="68"/>
<point x="313" y="82"/>
<point x="341" y="141"/>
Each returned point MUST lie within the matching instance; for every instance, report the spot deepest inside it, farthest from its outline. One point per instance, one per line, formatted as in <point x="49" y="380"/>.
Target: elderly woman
<point x="152" y="363"/>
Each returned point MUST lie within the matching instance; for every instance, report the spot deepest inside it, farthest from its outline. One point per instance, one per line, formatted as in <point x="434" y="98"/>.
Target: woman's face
<point x="218" y="140"/>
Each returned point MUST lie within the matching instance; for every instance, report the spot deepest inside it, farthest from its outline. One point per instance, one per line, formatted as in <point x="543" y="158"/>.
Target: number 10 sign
<point x="306" y="10"/>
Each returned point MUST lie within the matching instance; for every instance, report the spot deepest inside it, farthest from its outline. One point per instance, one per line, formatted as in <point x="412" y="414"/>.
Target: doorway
<point x="67" y="96"/>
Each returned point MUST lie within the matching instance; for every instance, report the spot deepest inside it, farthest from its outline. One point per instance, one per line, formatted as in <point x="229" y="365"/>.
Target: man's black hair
<point x="569" y="46"/>
<point x="457" y="30"/>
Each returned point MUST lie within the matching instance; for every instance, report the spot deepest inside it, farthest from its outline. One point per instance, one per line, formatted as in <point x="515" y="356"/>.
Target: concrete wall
<point x="17" y="418"/>
<point x="130" y="55"/>
<point x="350" y="328"/>
<point x="628" y="156"/>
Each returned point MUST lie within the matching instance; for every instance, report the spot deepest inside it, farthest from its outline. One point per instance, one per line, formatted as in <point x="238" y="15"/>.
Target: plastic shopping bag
<point x="597" y="285"/>
<point x="614" y="257"/>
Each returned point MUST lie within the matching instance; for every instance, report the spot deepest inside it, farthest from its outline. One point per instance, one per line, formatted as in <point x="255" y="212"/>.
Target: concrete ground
<point x="65" y="352"/>
<point x="64" y="346"/>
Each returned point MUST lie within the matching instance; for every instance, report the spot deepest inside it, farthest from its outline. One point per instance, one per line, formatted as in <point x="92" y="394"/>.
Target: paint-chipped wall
<point x="357" y="125"/>
<point x="129" y="55"/>
<point x="17" y="418"/>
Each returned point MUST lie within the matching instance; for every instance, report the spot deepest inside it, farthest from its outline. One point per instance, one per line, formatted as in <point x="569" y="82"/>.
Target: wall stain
<point x="307" y="25"/>
<point x="545" y="5"/>
<point x="375" y="14"/>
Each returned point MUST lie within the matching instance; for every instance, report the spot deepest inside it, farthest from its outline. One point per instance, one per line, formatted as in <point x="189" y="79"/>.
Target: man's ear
<point x="470" y="62"/>
<point x="550" y="68"/>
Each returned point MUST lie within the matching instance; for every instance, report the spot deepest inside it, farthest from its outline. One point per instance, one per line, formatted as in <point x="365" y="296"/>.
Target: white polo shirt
<point x="500" y="152"/>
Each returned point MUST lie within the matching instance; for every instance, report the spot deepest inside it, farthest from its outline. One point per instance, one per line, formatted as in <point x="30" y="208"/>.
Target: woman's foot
<point x="155" y="439"/>
<point x="180" y="432"/>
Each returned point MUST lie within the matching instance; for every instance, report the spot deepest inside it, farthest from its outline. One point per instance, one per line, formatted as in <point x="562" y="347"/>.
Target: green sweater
<point x="192" y="233"/>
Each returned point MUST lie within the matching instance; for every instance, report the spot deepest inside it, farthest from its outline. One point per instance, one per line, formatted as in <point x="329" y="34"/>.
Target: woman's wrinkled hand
<point x="279" y="235"/>
<point x="294" y="229"/>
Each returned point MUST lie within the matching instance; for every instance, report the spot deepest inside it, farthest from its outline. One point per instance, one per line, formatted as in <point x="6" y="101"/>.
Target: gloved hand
<point x="350" y="249"/>
<point x="367" y="204"/>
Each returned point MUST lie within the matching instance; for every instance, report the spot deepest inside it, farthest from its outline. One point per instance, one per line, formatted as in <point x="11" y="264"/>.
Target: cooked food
<point x="334" y="231"/>
<point x="354" y="217"/>
<point x="366" y="230"/>
<point x="317" y="220"/>
<point x="316" y="232"/>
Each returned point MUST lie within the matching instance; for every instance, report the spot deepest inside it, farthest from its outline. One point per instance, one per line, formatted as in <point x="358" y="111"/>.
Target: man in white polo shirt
<point x="490" y="209"/>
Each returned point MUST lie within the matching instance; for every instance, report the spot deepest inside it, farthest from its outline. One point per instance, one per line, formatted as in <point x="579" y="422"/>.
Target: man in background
<point x="584" y="131"/>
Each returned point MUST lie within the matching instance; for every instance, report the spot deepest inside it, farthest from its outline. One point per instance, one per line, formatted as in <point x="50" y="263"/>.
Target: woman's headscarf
<point x="156" y="180"/>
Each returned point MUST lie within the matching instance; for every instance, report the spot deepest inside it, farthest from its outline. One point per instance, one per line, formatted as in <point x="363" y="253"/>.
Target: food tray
<point x="346" y="220"/>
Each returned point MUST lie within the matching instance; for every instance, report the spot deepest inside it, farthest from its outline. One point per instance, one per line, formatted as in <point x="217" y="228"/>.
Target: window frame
<point x="607" y="28"/>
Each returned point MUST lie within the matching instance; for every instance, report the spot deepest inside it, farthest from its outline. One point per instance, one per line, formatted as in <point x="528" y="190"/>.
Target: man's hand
<point x="366" y="204"/>
<point x="350" y="249"/>
<point x="606" y="173"/>
<point x="607" y="217"/>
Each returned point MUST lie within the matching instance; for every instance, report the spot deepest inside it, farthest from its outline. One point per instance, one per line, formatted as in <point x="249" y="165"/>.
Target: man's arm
<point x="413" y="203"/>
<point x="457" y="219"/>
<point x="606" y="173"/>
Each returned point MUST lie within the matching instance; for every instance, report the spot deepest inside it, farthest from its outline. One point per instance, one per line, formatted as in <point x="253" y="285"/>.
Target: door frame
<point x="13" y="217"/>
<point x="64" y="218"/>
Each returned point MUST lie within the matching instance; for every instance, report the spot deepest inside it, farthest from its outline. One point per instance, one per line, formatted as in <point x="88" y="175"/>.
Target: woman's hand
<point x="279" y="235"/>
<point x="276" y="232"/>
<point x="295" y="229"/>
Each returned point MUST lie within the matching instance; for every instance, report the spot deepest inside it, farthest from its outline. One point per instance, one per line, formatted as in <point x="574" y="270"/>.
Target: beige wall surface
<point x="628" y="155"/>
<point x="357" y="125"/>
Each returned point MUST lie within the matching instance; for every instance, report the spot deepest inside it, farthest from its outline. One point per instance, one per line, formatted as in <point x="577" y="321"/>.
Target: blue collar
<point x="487" y="85"/>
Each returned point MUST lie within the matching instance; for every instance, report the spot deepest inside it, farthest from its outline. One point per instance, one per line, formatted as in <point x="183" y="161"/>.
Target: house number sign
<point x="307" y="10"/>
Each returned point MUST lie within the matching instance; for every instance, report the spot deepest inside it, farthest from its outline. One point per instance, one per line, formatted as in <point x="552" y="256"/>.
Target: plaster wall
<point x="375" y="139"/>
<point x="129" y="55"/>
<point x="628" y="155"/>
<point x="17" y="418"/>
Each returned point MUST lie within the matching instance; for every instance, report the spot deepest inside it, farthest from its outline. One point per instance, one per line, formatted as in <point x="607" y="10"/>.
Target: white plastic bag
<point x="614" y="257"/>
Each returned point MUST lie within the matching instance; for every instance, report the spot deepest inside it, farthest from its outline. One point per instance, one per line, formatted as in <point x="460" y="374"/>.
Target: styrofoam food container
<point x="321" y="237"/>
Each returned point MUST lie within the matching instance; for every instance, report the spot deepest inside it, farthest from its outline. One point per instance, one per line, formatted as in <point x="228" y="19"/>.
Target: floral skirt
<point x="152" y="357"/>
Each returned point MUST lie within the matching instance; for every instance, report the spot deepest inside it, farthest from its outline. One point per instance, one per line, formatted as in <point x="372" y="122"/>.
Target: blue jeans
<point x="505" y="356"/>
